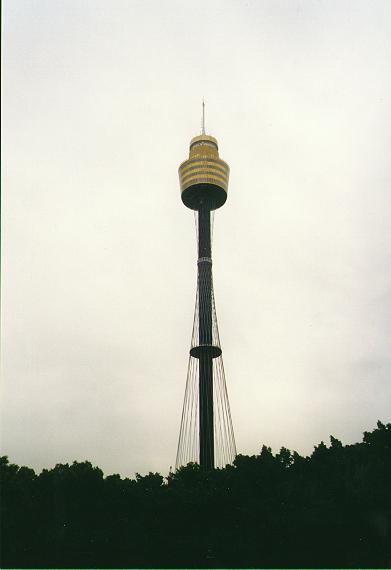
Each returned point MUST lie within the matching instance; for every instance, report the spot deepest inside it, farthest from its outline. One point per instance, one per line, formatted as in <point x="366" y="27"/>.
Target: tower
<point x="206" y="433"/>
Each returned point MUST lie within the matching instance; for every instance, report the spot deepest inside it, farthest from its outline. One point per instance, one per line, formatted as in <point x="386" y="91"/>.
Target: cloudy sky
<point x="100" y="100"/>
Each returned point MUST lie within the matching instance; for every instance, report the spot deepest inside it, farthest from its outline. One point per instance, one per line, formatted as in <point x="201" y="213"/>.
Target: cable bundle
<point x="205" y="320"/>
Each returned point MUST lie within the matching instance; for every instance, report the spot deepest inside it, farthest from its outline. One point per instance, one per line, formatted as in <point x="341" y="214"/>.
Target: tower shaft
<point x="206" y="436"/>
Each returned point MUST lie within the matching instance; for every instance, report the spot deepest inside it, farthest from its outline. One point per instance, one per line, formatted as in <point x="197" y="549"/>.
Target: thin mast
<point x="203" y="117"/>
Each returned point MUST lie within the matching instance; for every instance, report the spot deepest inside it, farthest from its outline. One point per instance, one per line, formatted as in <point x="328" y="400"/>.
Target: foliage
<point x="332" y="509"/>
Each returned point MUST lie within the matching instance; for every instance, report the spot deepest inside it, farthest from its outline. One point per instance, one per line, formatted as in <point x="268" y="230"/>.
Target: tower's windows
<point x="204" y="143"/>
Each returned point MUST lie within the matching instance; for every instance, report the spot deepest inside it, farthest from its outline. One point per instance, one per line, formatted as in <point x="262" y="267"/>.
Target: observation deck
<point x="204" y="177"/>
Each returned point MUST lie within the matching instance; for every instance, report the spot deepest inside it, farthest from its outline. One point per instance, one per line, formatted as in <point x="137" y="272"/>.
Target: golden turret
<point x="204" y="176"/>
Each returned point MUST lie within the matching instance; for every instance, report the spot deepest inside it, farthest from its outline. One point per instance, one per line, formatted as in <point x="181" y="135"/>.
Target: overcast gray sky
<point x="100" y="100"/>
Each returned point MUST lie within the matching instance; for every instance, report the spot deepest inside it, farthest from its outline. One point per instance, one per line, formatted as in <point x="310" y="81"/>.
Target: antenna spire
<point x="203" y="117"/>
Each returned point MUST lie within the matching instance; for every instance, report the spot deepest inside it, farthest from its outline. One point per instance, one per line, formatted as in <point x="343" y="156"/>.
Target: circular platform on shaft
<point x="205" y="350"/>
<point x="211" y="194"/>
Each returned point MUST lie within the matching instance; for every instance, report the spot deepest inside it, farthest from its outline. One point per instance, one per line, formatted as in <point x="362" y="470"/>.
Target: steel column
<point x="205" y="339"/>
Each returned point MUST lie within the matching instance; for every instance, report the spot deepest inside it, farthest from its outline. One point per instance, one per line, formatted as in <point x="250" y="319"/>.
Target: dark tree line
<point x="332" y="509"/>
